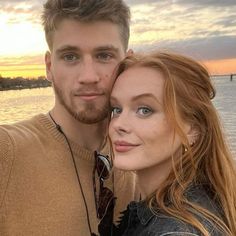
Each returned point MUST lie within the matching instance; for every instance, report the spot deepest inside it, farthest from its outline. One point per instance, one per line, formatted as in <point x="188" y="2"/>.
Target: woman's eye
<point x="115" y="111"/>
<point x="144" y="111"/>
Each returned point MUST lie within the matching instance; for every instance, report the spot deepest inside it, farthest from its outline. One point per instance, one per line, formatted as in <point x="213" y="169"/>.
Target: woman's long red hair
<point x="187" y="97"/>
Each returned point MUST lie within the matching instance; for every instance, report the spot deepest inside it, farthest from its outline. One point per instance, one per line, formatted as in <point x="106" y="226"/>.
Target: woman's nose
<point x="121" y="124"/>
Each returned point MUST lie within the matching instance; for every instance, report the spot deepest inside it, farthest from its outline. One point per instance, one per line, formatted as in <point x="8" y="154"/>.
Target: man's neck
<point x="89" y="136"/>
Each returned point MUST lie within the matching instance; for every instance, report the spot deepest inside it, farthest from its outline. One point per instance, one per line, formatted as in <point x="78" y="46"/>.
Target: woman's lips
<point x="123" y="146"/>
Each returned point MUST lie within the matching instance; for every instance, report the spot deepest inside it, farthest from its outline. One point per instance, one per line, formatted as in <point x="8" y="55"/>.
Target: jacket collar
<point x="142" y="211"/>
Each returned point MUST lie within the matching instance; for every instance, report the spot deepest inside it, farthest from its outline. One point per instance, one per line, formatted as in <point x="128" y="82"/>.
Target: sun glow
<point x="27" y="71"/>
<point x="219" y="67"/>
<point x="157" y="24"/>
<point x="21" y="38"/>
<point x="22" y="41"/>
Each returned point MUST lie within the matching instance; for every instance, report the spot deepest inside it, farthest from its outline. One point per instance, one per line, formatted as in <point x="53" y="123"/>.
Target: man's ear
<point x="129" y="52"/>
<point x="48" y="64"/>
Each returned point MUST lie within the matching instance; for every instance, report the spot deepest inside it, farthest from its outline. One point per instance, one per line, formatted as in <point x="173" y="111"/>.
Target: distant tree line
<point x="23" y="83"/>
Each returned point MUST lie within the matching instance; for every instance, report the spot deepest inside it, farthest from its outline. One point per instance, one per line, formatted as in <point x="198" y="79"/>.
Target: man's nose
<point x="88" y="72"/>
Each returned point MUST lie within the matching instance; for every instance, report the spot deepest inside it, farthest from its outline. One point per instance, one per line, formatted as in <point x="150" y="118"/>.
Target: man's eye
<point x="144" y="111"/>
<point x="70" y="57"/>
<point x="104" y="56"/>
<point x="115" y="111"/>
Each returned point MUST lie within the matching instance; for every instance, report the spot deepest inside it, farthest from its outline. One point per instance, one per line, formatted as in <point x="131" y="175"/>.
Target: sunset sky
<point x="203" y="29"/>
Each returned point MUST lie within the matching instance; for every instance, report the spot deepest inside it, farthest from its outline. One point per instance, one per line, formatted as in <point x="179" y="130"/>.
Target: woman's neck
<point x="149" y="179"/>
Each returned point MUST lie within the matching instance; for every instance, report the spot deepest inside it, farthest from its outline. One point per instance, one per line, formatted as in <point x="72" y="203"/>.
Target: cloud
<point x="227" y="21"/>
<point x="18" y="10"/>
<point x="222" y="47"/>
<point x="136" y="2"/>
<point x="22" y="60"/>
<point x="211" y="3"/>
<point x="203" y="28"/>
<point x="202" y="3"/>
<point x="7" y="2"/>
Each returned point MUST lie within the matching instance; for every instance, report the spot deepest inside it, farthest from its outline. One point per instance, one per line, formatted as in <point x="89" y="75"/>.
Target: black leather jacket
<point x="139" y="220"/>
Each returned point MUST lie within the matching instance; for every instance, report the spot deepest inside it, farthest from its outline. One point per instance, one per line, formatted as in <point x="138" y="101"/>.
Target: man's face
<point x="80" y="66"/>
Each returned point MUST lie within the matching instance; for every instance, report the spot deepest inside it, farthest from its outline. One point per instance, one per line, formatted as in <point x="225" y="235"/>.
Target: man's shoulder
<point x="16" y="136"/>
<point x="125" y="179"/>
<point x="20" y="127"/>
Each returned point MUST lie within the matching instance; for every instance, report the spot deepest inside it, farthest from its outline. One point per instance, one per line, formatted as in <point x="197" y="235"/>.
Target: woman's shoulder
<point x="202" y="196"/>
<point x="140" y="220"/>
<point x="161" y="224"/>
<point x="168" y="225"/>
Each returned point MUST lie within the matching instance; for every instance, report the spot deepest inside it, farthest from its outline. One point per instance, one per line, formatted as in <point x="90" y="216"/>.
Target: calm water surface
<point x="225" y="102"/>
<point x="22" y="104"/>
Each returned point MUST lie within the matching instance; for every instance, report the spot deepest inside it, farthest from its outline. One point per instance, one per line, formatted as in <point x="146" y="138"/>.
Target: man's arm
<point x="6" y="161"/>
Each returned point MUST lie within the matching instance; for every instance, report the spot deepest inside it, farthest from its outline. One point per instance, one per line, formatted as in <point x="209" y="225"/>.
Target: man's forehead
<point x="109" y="47"/>
<point x="88" y="35"/>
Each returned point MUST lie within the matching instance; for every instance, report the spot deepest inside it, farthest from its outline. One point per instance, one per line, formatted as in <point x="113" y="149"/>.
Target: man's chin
<point x="90" y="120"/>
<point x="90" y="117"/>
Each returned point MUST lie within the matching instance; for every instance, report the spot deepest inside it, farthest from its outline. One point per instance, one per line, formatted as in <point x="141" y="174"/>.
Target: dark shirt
<point x="139" y="220"/>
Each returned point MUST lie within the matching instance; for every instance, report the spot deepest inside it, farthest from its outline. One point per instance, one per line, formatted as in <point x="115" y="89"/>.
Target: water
<point x="225" y="102"/>
<point x="22" y="104"/>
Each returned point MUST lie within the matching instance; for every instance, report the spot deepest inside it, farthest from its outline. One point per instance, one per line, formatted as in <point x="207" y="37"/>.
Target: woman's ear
<point x="192" y="135"/>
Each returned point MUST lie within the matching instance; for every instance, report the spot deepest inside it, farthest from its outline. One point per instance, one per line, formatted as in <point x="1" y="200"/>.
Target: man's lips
<point x="123" y="146"/>
<point x="89" y="96"/>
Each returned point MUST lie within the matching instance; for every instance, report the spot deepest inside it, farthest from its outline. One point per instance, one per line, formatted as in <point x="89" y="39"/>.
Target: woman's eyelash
<point x="144" y="110"/>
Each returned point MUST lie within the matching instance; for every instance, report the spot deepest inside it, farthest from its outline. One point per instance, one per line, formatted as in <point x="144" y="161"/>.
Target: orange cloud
<point x="226" y="66"/>
<point x="14" y="69"/>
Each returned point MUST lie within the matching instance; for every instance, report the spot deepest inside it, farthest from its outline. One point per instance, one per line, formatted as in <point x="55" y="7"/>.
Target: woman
<point x="165" y="128"/>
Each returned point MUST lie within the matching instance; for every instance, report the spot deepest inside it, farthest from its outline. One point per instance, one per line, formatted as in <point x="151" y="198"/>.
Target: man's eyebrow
<point x="107" y="48"/>
<point x="67" y="48"/>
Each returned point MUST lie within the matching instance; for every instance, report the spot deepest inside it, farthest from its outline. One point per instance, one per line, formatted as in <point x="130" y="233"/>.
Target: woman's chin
<point x="121" y="165"/>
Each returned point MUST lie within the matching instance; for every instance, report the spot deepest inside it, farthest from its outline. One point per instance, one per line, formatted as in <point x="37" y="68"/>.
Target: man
<point x="50" y="181"/>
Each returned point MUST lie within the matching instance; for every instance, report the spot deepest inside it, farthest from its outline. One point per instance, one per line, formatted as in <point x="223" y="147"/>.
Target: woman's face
<point x="140" y="133"/>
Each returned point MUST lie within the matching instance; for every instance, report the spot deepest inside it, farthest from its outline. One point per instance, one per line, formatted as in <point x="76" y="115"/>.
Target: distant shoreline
<point x="20" y="83"/>
<point x="20" y="88"/>
<point x="231" y="76"/>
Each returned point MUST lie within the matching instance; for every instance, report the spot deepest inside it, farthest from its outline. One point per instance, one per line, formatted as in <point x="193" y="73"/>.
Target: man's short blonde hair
<point x="115" y="11"/>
